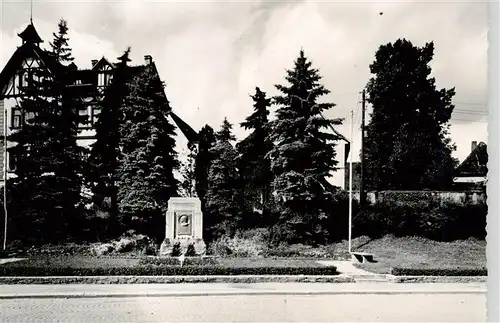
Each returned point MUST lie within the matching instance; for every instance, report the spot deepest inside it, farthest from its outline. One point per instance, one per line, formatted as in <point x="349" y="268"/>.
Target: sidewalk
<point x="214" y="289"/>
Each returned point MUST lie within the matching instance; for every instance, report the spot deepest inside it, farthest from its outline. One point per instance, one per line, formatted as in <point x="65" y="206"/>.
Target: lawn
<point x="419" y="253"/>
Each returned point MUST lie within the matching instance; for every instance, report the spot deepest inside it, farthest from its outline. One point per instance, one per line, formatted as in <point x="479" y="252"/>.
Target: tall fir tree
<point x="188" y="172"/>
<point x="48" y="181"/>
<point x="254" y="160"/>
<point x="223" y="197"/>
<point x="148" y="158"/>
<point x="407" y="145"/>
<point x="103" y="159"/>
<point x="60" y="46"/>
<point x="203" y="161"/>
<point x="303" y="156"/>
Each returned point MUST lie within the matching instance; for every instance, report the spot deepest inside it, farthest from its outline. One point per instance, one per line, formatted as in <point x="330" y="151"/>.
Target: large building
<point x="88" y="83"/>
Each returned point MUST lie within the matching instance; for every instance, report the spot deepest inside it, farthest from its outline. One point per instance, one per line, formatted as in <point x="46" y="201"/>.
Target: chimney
<point x="473" y="146"/>
<point x="148" y="59"/>
<point x="94" y="62"/>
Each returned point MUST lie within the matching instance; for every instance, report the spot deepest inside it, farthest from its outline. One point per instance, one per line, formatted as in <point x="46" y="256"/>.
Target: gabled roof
<point x="102" y="62"/>
<point x="476" y="164"/>
<point x="16" y="61"/>
<point x="30" y="35"/>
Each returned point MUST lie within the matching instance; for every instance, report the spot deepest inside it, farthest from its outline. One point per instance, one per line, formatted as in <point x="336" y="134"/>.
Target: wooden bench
<point x="362" y="257"/>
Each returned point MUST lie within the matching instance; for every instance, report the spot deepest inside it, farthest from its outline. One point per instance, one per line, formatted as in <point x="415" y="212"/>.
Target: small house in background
<point x="473" y="171"/>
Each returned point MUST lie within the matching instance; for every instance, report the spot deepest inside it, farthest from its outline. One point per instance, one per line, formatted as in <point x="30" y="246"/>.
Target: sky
<point x="212" y="54"/>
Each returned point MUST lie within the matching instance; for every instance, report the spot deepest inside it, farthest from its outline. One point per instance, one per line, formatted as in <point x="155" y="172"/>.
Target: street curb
<point x="176" y="279"/>
<point x="436" y="279"/>
<point x="241" y="293"/>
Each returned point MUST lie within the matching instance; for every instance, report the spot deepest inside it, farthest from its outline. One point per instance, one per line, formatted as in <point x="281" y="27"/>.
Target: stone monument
<point x="184" y="225"/>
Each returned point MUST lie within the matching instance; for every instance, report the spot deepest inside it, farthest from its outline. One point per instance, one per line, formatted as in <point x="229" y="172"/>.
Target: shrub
<point x="439" y="271"/>
<point x="190" y="252"/>
<point x="168" y="261"/>
<point x="422" y="214"/>
<point x="250" y="243"/>
<point x="149" y="270"/>
<point x="176" y="250"/>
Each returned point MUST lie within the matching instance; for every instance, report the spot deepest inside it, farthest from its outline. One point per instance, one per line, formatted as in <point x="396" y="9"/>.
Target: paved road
<point x="349" y="307"/>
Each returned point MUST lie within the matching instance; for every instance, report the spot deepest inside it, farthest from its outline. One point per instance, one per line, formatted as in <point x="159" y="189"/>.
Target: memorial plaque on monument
<point x="184" y="225"/>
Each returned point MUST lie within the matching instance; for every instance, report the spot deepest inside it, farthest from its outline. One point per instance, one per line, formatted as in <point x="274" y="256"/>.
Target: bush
<point x="28" y="268"/>
<point x="421" y="214"/>
<point x="250" y="243"/>
<point x="439" y="271"/>
<point x="168" y="261"/>
<point x="176" y="250"/>
<point x="190" y="252"/>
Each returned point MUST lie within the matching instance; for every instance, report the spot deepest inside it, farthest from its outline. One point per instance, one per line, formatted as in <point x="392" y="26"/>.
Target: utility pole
<point x="362" y="192"/>
<point x="350" y="181"/>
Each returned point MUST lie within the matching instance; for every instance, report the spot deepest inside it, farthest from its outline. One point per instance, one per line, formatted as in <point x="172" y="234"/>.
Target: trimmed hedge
<point x="439" y="271"/>
<point x="170" y="261"/>
<point x="142" y="270"/>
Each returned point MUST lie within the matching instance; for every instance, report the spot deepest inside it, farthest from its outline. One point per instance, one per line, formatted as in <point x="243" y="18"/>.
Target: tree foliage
<point x="223" y="196"/>
<point x="103" y="160"/>
<point x="203" y="161"/>
<point x="60" y="46"/>
<point x="303" y="155"/>
<point x="254" y="162"/>
<point x="147" y="159"/>
<point x="407" y="145"/>
<point x="188" y="172"/>
<point x="46" y="191"/>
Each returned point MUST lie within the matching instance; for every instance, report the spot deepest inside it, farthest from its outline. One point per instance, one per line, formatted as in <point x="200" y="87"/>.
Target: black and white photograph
<point x="246" y="161"/>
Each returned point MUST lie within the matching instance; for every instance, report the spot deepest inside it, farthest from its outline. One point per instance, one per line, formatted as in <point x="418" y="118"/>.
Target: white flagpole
<point x="350" y="180"/>
<point x="5" y="180"/>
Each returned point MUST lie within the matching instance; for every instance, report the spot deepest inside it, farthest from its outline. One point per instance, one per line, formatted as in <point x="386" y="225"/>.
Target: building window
<point x="11" y="163"/>
<point x="84" y="118"/>
<point x="95" y="115"/>
<point x="17" y="119"/>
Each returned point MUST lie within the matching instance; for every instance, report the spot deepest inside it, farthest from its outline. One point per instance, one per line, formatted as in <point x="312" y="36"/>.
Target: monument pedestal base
<point x="184" y="226"/>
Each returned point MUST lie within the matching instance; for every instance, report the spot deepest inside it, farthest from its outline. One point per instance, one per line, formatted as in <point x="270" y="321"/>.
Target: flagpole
<point x="5" y="180"/>
<point x="350" y="181"/>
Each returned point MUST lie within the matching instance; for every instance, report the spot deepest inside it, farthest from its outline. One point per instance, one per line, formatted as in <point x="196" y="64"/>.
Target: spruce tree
<point x="59" y="45"/>
<point x="148" y="158"/>
<point x="223" y="198"/>
<point x="254" y="161"/>
<point x="103" y="160"/>
<point x="407" y="145"/>
<point x="203" y="160"/>
<point x="188" y="172"/>
<point x="303" y="156"/>
<point x="48" y="171"/>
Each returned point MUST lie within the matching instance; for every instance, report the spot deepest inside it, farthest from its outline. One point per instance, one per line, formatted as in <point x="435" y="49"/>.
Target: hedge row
<point x="439" y="271"/>
<point x="171" y="261"/>
<point x="163" y="271"/>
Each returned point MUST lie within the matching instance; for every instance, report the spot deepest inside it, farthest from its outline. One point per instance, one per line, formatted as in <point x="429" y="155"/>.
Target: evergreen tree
<point x="303" y="155"/>
<point x="254" y="162"/>
<point x="148" y="158"/>
<point x="223" y="198"/>
<point x="59" y="45"/>
<point x="225" y="133"/>
<point x="188" y="172"/>
<point x="48" y="170"/>
<point x="103" y="160"/>
<point x="203" y="161"/>
<point x="407" y="145"/>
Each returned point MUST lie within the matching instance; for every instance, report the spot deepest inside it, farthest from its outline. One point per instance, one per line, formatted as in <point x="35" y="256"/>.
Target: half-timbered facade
<point x="89" y="84"/>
